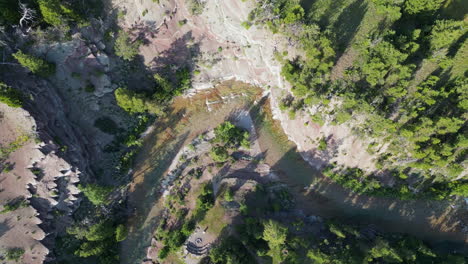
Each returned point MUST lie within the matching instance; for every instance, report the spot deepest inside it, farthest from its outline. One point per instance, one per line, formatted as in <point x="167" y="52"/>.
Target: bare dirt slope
<point x="19" y="228"/>
<point x="36" y="182"/>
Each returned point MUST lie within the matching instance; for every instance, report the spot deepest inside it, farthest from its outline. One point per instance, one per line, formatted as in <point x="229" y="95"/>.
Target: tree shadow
<point x="5" y="226"/>
<point x="182" y="54"/>
<point x="347" y="24"/>
<point x="142" y="205"/>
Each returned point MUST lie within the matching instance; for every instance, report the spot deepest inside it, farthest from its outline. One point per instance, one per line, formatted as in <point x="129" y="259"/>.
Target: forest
<point x="407" y="80"/>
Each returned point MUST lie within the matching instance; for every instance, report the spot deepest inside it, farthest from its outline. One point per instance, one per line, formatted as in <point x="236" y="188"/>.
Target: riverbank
<point x="433" y="221"/>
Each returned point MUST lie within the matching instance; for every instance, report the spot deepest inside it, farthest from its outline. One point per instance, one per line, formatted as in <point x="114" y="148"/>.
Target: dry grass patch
<point x="215" y="220"/>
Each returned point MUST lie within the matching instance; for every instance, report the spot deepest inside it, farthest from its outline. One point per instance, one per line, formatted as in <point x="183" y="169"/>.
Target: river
<point x="432" y="221"/>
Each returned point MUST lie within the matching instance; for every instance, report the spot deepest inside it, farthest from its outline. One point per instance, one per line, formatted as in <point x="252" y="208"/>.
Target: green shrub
<point x="98" y="239"/>
<point x="219" y="154"/>
<point x="231" y="136"/>
<point x="133" y="102"/>
<point x="182" y="22"/>
<point x="164" y="252"/>
<point x="51" y="12"/>
<point x="14" y="205"/>
<point x="229" y="195"/>
<point x="445" y="32"/>
<point x="205" y="200"/>
<point x="196" y="6"/>
<point x="121" y="233"/>
<point x="460" y="189"/>
<point x="125" y="47"/>
<point x="336" y="230"/>
<point x="184" y="81"/>
<point x="246" y="24"/>
<point x="96" y="194"/>
<point x="34" y="64"/>
<point x="14" y="254"/>
<point x="322" y="144"/>
<point x="10" y="96"/>
<point x="422" y="6"/>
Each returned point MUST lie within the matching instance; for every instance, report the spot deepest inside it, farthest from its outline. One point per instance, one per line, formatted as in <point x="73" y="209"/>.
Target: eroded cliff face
<point x="38" y="178"/>
<point x="52" y="144"/>
<point x="216" y="45"/>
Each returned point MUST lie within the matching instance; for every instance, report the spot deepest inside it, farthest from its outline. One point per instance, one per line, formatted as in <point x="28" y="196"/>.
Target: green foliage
<point x="175" y="238"/>
<point x="184" y="81"/>
<point x="383" y="250"/>
<point x="274" y="233"/>
<point x="391" y="8"/>
<point x="313" y="71"/>
<point x="445" y="32"/>
<point x="230" y="250"/>
<point x="422" y="6"/>
<point x="14" y="254"/>
<point x="219" y="154"/>
<point x="422" y="121"/>
<point x="335" y="229"/>
<point x="460" y="189"/>
<point x="59" y="13"/>
<point x="229" y="195"/>
<point x="196" y="6"/>
<point x="96" y="240"/>
<point x="353" y="179"/>
<point x="271" y="241"/>
<point x="205" y="200"/>
<point x="292" y="13"/>
<point x="246" y="24"/>
<point x="164" y="252"/>
<point x="51" y="12"/>
<point x="34" y="64"/>
<point x="182" y="22"/>
<point x="322" y="144"/>
<point x="133" y="102"/>
<point x="121" y="233"/>
<point x="318" y="257"/>
<point x="10" y="96"/>
<point x="126" y="48"/>
<point x="14" y="204"/>
<point x="231" y="136"/>
<point x="384" y="70"/>
<point x="96" y="194"/>
<point x="13" y="146"/>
